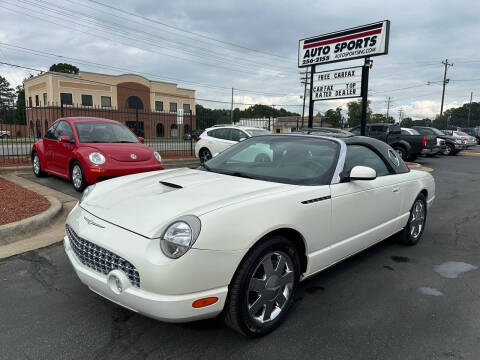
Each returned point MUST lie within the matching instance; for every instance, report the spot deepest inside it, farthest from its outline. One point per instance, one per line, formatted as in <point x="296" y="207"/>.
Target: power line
<point x="96" y="64"/>
<point x="187" y="31"/>
<point x="135" y="89"/>
<point x="152" y="37"/>
<point x="217" y="64"/>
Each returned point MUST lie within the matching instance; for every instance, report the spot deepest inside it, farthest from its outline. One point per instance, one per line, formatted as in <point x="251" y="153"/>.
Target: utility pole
<point x="231" y="109"/>
<point x="304" y="81"/>
<point x="445" y="82"/>
<point x="388" y="101"/>
<point x="469" y="109"/>
<point x="400" y="116"/>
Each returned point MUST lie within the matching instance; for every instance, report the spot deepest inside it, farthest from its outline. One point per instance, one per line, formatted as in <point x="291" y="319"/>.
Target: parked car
<point x="85" y="150"/>
<point x="239" y="246"/>
<point x="4" y="134"/>
<point x="453" y="145"/>
<point x="441" y="145"/>
<point x="193" y="135"/>
<point x="218" y="138"/>
<point x="407" y="146"/>
<point x="468" y="140"/>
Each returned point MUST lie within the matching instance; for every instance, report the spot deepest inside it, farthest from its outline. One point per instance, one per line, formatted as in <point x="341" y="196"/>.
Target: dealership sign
<point x="359" y="42"/>
<point x="337" y="84"/>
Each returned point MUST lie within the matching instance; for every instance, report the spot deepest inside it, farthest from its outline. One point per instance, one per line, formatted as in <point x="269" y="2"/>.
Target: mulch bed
<point x="7" y="161"/>
<point x="17" y="203"/>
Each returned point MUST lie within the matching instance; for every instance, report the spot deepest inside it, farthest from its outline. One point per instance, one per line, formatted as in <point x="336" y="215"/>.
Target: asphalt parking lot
<point x="389" y="302"/>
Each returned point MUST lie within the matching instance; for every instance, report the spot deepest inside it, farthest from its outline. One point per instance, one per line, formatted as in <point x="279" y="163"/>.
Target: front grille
<point x="100" y="259"/>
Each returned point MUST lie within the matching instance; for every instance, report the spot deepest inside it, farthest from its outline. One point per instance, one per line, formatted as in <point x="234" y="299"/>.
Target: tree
<point x="7" y="94"/>
<point x="380" y="118"/>
<point x="334" y="117"/>
<point x="354" y="110"/>
<point x="20" y="110"/>
<point x="64" y="68"/>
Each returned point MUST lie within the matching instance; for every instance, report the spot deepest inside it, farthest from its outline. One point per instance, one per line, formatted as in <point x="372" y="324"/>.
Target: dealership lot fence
<point x="173" y="135"/>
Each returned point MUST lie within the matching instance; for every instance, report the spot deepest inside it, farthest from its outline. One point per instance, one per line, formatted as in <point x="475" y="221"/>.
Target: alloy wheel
<point x="270" y="287"/>
<point x="418" y="219"/>
<point x="36" y="164"/>
<point x="205" y="155"/>
<point x="77" y="177"/>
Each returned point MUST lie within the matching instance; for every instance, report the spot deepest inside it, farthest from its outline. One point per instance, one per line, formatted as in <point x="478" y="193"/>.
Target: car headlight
<point x="96" y="158"/>
<point x="87" y="192"/>
<point x="157" y="156"/>
<point x="180" y="236"/>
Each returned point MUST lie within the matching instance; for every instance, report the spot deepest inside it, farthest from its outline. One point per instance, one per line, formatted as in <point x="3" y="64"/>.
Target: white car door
<point x="364" y="211"/>
<point x="221" y="140"/>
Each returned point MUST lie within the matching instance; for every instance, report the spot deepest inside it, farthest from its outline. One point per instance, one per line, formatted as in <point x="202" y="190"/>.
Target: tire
<point x="413" y="231"/>
<point x="204" y="155"/>
<point x="255" y="313"/>
<point x="449" y="150"/>
<point x="77" y="176"/>
<point x="402" y="152"/>
<point x="37" y="166"/>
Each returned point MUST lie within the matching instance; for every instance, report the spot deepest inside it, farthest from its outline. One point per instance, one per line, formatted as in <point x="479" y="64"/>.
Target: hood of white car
<point x="146" y="203"/>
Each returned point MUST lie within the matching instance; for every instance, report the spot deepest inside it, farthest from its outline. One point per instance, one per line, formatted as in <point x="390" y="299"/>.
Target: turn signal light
<point x="97" y="170"/>
<point x="204" y="302"/>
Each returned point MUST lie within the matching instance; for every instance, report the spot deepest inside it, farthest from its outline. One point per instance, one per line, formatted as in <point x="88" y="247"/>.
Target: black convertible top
<point x="395" y="163"/>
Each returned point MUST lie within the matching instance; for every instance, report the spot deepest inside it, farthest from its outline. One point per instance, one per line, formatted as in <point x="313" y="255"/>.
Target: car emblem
<point x="133" y="156"/>
<point x="92" y="222"/>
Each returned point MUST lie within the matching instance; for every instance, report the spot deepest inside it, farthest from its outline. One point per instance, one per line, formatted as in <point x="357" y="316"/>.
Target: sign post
<point x="354" y="43"/>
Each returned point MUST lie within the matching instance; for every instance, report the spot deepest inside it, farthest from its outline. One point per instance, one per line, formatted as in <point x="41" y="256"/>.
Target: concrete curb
<point x="21" y="229"/>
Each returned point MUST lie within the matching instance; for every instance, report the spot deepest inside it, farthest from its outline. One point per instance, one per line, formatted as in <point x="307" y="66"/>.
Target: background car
<point x="4" y="134"/>
<point x="468" y="140"/>
<point x="453" y="145"/>
<point x="218" y="138"/>
<point x="87" y="150"/>
<point x="279" y="209"/>
<point x="325" y="130"/>
<point x="440" y="148"/>
<point x="407" y="146"/>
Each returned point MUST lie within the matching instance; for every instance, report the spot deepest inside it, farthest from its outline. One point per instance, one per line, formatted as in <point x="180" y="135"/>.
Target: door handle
<point x="395" y="189"/>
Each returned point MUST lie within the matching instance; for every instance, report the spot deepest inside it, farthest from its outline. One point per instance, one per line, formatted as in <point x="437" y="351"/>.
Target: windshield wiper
<point x="240" y="174"/>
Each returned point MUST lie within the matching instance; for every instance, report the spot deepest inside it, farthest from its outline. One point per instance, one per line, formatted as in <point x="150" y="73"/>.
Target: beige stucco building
<point x="89" y="89"/>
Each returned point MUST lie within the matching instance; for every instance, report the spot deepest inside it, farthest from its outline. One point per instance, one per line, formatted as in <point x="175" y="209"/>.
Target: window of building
<point x="186" y="108"/>
<point x="186" y="129"/>
<point x="29" y="101"/>
<point x="173" y="130"/>
<point x="277" y="131"/>
<point x="87" y="100"/>
<point x="37" y="100"/>
<point x="134" y="102"/>
<point x="66" y="99"/>
<point x="160" y="130"/>
<point x="106" y="101"/>
<point x="45" y="99"/>
<point x="158" y="105"/>
<point x="173" y="107"/>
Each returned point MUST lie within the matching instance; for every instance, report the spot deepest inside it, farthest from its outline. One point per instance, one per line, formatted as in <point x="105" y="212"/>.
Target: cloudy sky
<point x="212" y="46"/>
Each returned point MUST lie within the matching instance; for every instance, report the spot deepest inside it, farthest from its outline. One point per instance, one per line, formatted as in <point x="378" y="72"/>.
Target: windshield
<point x="257" y="132"/>
<point x="438" y="132"/>
<point x="104" y="132"/>
<point x="285" y="159"/>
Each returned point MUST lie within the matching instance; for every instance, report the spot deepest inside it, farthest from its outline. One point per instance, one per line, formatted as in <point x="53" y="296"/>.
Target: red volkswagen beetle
<point x="86" y="150"/>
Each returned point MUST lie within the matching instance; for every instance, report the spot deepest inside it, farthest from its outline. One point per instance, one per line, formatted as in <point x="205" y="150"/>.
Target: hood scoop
<point x="169" y="184"/>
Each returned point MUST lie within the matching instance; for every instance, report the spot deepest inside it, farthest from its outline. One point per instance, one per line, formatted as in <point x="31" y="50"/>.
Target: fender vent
<point x="316" y="199"/>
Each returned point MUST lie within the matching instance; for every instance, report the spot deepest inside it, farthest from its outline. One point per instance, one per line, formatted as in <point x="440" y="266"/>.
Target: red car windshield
<point x="104" y="132"/>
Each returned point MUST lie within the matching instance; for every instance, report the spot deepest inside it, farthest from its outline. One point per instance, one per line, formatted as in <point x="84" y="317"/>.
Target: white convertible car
<point x="237" y="235"/>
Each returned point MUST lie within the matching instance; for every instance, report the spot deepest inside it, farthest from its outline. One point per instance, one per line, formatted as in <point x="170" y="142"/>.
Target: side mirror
<point x="363" y="173"/>
<point x="141" y="139"/>
<point x="65" y="139"/>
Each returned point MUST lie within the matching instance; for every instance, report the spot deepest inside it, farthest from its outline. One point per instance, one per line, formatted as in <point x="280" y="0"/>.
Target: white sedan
<point x="237" y="235"/>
